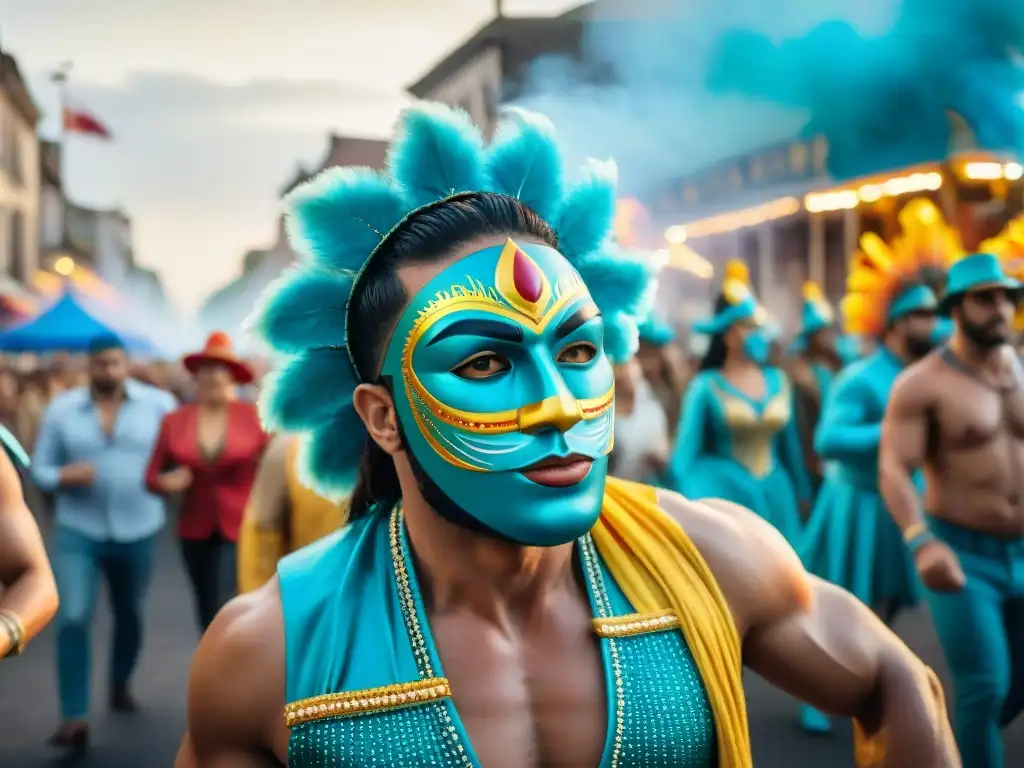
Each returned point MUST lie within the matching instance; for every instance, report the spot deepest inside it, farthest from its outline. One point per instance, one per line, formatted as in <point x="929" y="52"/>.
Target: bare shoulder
<point x="758" y="572"/>
<point x="919" y="381"/>
<point x="237" y="683"/>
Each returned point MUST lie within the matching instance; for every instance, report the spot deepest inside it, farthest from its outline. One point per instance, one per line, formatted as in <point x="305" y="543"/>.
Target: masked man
<point x="496" y="599"/>
<point x="960" y="415"/>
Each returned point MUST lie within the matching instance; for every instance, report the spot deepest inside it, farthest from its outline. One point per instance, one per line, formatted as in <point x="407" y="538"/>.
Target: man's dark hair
<point x="380" y="298"/>
<point x="104" y="342"/>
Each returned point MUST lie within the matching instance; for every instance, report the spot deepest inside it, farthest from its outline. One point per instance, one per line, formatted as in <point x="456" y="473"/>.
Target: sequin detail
<point x="366" y="701"/>
<point x="399" y="738"/>
<point x="667" y="718"/>
<point x="636" y="624"/>
<point x="663" y="715"/>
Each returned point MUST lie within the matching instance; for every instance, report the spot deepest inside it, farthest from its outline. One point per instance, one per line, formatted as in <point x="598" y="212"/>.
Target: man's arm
<point x="817" y="641"/>
<point x="904" y="445"/>
<point x="30" y="593"/>
<point x="236" y="688"/>
<point x="263" y="537"/>
<point x="48" y="457"/>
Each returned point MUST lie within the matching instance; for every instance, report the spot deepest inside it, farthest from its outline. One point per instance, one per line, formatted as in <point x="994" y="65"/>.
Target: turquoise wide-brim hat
<point x="916" y="298"/>
<point x="977" y="272"/>
<point x="745" y="310"/>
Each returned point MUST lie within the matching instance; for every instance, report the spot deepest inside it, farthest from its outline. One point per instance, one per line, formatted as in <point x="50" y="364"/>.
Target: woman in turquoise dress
<point x="737" y="438"/>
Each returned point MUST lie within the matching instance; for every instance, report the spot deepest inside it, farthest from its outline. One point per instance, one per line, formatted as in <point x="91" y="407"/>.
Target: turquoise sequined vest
<point x="365" y="684"/>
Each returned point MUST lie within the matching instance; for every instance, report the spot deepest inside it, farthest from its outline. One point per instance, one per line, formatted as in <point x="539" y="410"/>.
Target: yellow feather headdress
<point x="1008" y="245"/>
<point x="922" y="252"/>
<point x="814" y="295"/>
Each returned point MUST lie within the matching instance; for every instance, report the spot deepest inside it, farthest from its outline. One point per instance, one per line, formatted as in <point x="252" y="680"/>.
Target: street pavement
<point x="149" y="739"/>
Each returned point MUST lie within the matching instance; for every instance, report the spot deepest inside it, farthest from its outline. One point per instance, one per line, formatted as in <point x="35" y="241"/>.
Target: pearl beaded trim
<point x="365" y="701"/>
<point x="635" y="624"/>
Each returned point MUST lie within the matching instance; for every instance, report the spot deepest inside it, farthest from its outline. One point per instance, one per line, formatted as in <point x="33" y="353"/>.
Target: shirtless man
<point x="28" y="598"/>
<point x="959" y="413"/>
<point x="496" y="599"/>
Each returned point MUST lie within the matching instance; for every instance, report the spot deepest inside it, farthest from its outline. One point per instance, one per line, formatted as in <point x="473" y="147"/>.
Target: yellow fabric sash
<point x="658" y="568"/>
<point x="312" y="516"/>
<point x="259" y="549"/>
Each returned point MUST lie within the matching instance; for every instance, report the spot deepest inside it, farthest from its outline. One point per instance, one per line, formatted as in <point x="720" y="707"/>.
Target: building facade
<point x="492" y="66"/>
<point x="20" y="173"/>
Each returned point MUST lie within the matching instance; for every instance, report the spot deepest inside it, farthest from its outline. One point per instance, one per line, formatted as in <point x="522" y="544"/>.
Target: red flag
<point x="79" y="121"/>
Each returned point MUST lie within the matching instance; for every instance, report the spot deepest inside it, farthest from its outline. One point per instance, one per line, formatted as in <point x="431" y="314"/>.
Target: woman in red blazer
<point x="209" y="452"/>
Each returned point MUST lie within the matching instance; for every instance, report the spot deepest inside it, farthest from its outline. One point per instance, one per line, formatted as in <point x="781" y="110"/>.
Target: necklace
<point x="951" y="359"/>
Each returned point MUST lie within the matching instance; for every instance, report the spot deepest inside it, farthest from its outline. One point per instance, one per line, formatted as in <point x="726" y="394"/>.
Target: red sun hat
<point x="220" y="351"/>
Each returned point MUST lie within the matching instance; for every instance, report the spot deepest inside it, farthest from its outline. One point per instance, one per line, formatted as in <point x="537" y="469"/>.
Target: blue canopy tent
<point x="69" y="325"/>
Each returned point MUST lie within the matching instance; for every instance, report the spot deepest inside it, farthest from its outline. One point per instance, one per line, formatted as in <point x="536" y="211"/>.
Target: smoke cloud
<point x="643" y="95"/>
<point x="695" y="82"/>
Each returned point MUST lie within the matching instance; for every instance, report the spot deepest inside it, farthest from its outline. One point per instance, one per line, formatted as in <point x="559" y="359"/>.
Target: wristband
<point x="15" y="630"/>
<point x="916" y="536"/>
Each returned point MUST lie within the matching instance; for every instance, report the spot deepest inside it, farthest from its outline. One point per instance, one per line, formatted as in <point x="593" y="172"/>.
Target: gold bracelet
<point x="15" y="629"/>
<point x="913" y="531"/>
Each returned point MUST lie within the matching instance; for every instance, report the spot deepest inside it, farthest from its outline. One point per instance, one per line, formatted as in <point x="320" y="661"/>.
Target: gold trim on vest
<point x="366" y="701"/>
<point x="635" y="624"/>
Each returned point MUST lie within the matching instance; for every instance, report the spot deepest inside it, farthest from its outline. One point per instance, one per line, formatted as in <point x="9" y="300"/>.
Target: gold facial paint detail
<point x="505" y="282"/>
<point x="561" y="411"/>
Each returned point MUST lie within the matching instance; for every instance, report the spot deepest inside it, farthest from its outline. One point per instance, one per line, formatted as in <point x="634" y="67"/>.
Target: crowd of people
<point x="489" y="512"/>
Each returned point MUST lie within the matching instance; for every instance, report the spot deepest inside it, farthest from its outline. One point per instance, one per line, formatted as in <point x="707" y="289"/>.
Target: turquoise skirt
<point x="772" y="497"/>
<point x="852" y="541"/>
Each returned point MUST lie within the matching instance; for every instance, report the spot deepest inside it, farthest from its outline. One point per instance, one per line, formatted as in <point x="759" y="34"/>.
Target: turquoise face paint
<point x="497" y="365"/>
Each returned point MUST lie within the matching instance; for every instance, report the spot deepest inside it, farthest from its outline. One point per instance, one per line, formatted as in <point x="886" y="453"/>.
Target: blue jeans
<point x="981" y="629"/>
<point x="78" y="562"/>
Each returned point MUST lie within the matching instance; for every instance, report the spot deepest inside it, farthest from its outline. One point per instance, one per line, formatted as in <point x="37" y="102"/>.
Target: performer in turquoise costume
<point x="850" y="538"/>
<point x="957" y="415"/>
<point x="737" y="436"/>
<point x="814" y="361"/>
<point x="496" y="599"/>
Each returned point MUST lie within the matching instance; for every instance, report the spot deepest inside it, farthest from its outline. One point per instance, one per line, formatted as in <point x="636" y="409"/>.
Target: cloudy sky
<point x="214" y="103"/>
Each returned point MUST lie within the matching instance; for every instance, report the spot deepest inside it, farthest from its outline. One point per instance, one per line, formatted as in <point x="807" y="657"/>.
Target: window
<point x="17" y="247"/>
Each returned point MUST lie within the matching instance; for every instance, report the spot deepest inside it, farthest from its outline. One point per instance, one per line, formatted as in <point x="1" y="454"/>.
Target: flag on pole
<point x="80" y="121"/>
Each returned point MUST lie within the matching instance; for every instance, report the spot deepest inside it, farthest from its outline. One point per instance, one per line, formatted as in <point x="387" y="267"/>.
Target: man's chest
<point x="632" y="700"/>
<point x="537" y="701"/>
<point x="969" y="414"/>
<point x="128" y="431"/>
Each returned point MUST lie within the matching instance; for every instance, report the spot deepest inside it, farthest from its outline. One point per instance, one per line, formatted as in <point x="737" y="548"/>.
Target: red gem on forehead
<point x="526" y="277"/>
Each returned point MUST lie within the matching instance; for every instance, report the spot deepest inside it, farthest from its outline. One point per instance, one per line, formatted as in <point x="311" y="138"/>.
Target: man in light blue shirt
<point x="91" y="453"/>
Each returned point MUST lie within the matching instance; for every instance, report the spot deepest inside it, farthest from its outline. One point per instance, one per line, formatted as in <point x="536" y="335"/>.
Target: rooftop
<point x="17" y="91"/>
<point x="521" y="39"/>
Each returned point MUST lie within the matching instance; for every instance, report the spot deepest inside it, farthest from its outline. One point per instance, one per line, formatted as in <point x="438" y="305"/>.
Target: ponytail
<point x="377" y="484"/>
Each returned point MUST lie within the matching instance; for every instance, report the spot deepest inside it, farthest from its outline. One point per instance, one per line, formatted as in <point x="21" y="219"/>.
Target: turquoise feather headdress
<point x="338" y="221"/>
